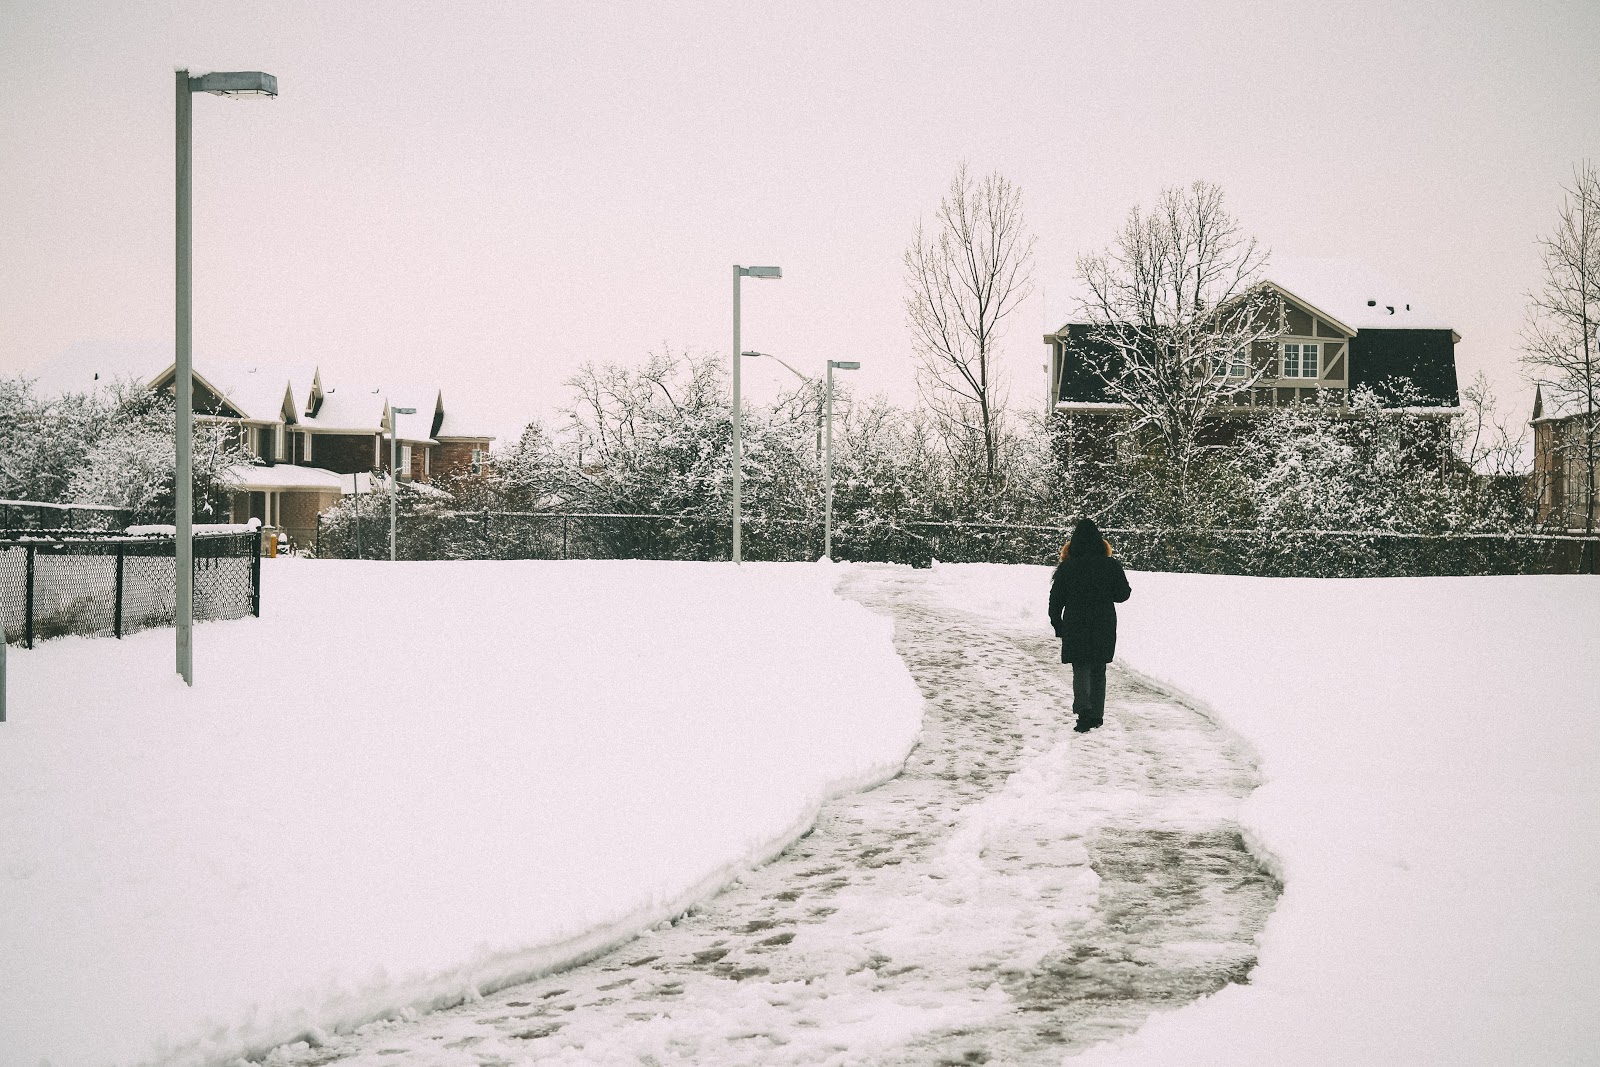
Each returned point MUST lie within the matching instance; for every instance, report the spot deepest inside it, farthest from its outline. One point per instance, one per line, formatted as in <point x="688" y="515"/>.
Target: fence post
<point x="255" y="576"/>
<point x="27" y="602"/>
<point x="116" y="615"/>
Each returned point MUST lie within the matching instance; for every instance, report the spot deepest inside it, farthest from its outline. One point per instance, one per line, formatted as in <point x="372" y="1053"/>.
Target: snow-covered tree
<point x="133" y="464"/>
<point x="963" y="278"/>
<point x="44" y="442"/>
<point x="1561" y="341"/>
<point x="1174" y="300"/>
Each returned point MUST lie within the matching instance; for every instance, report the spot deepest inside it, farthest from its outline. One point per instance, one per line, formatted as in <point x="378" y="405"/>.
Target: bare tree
<point x="963" y="278"/>
<point x="1559" y="342"/>
<point x="1175" y="301"/>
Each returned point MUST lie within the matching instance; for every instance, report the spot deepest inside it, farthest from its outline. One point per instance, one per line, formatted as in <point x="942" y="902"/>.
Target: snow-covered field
<point x="407" y="782"/>
<point x="1431" y="751"/>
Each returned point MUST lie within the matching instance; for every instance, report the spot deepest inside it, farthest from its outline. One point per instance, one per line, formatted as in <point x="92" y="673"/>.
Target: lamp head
<point x="752" y="354"/>
<point x="235" y="83"/>
<point x="763" y="272"/>
<point x="844" y="364"/>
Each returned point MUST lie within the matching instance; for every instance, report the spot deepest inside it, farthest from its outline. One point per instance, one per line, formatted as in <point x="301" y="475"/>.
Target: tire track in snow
<point x="1018" y="892"/>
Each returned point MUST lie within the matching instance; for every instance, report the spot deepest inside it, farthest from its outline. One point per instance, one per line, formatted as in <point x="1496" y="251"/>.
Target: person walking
<point x="1084" y="595"/>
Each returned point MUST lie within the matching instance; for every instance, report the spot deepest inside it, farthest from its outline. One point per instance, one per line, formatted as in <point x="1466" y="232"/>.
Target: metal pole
<point x="394" y="483"/>
<point x="27" y="601"/>
<point x="827" y="470"/>
<point x="255" y="574"/>
<point x="116" y="619"/>
<point x="355" y="483"/>
<point x="737" y="450"/>
<point x="183" y="559"/>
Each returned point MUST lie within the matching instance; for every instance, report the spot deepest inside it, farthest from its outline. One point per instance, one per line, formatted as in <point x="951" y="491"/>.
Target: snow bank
<point x="407" y="784"/>
<point x="1431" y="750"/>
<point x="169" y="530"/>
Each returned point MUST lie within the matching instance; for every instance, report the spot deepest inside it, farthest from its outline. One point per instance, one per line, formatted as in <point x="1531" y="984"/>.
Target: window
<point x="478" y="456"/>
<point x="1234" y="366"/>
<point x="405" y="461"/>
<point x="1299" y="360"/>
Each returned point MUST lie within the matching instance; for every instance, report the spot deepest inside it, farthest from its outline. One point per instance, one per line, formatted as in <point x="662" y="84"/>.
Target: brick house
<point x="1337" y="328"/>
<point x="1560" y="477"/>
<point x="313" y="441"/>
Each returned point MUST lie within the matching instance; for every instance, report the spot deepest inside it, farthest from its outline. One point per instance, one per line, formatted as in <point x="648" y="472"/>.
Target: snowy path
<point x="1019" y="892"/>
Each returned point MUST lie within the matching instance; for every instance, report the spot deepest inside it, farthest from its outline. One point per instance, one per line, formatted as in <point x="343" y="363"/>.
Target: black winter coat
<point x="1083" y="607"/>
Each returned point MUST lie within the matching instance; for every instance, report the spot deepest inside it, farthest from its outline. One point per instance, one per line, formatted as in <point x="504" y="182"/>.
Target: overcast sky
<point x="488" y="195"/>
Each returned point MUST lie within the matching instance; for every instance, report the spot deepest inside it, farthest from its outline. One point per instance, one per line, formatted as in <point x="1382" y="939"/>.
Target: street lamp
<point x="394" y="471"/>
<point x="810" y="381"/>
<point x="219" y="83"/>
<point x="741" y="272"/>
<point x="827" y="463"/>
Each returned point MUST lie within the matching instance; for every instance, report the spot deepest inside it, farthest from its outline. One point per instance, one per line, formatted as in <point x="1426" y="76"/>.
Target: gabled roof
<point x="1555" y="407"/>
<point x="429" y="405"/>
<point x="260" y="392"/>
<point x="1348" y="293"/>
<point x="348" y="408"/>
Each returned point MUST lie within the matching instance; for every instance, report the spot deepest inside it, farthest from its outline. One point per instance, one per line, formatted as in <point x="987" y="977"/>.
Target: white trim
<point x="1090" y="405"/>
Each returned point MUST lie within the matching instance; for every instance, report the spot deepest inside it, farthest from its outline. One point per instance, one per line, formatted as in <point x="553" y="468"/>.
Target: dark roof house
<point x="1343" y="328"/>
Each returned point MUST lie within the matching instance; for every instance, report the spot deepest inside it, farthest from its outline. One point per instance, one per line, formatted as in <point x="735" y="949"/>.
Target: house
<point x="1339" y="328"/>
<point x="1561" y="476"/>
<point x="313" y="440"/>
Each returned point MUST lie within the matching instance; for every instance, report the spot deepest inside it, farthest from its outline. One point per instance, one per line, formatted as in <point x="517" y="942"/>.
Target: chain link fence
<point x="1269" y="553"/>
<point x="57" y="583"/>
<point x="563" y="535"/>
<point x="1276" y="553"/>
<point x="65" y="518"/>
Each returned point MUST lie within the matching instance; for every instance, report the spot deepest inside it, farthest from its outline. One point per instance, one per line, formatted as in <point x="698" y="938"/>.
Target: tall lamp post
<point x="220" y="83"/>
<point x="738" y="454"/>
<point x="827" y="463"/>
<point x="394" y="471"/>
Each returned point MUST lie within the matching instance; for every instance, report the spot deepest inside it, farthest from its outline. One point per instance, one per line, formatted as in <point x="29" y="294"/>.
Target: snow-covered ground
<point x="1017" y="892"/>
<point x="406" y="783"/>
<point x="1431" y="754"/>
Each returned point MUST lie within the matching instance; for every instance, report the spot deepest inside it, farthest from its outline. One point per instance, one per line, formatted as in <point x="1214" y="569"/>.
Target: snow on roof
<point x="454" y="426"/>
<point x="1552" y="403"/>
<point x="257" y="390"/>
<point x="283" y="476"/>
<point x="348" y="407"/>
<point x="426" y="399"/>
<point x="1353" y="294"/>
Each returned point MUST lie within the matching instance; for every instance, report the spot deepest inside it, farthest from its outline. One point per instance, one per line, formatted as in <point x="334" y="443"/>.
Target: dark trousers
<point x="1089" y="691"/>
